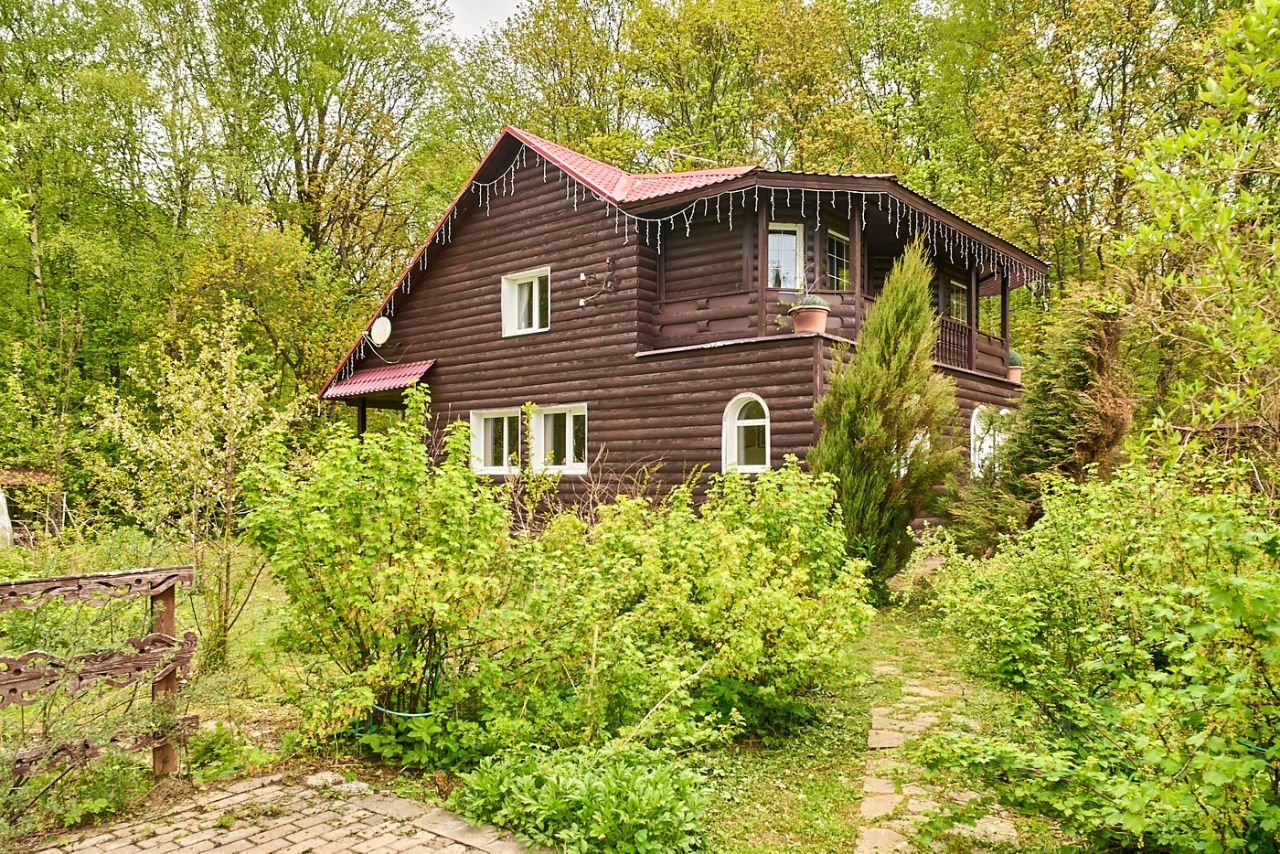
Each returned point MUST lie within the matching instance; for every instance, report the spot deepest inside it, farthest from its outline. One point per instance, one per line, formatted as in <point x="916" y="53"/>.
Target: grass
<point x="804" y="794"/>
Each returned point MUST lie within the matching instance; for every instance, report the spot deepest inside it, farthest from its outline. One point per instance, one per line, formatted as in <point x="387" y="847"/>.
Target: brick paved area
<point x="268" y="815"/>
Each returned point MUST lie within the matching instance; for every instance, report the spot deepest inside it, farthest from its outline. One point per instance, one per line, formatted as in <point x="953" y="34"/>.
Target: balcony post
<point x="855" y="266"/>
<point x="971" y="315"/>
<point x="1004" y="307"/>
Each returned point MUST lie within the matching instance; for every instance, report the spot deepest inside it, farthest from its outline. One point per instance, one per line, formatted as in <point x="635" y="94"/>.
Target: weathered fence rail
<point x="161" y="653"/>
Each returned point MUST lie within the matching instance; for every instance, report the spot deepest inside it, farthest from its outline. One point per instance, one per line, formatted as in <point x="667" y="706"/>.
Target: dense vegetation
<point x="198" y="203"/>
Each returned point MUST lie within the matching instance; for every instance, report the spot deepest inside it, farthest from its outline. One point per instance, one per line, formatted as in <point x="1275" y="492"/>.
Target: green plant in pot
<point x="809" y="313"/>
<point x="1015" y="366"/>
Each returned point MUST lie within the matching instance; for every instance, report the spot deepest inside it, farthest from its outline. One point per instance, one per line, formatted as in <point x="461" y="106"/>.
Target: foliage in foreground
<point x="1074" y="413"/>
<point x="884" y="420"/>
<point x="663" y="621"/>
<point x="625" y="799"/>
<point x="460" y="635"/>
<point x="1138" y="619"/>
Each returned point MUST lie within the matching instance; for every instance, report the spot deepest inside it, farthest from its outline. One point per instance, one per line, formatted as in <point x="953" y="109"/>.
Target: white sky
<point x="472" y="16"/>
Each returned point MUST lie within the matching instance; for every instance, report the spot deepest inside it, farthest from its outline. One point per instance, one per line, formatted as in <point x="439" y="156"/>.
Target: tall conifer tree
<point x="884" y="419"/>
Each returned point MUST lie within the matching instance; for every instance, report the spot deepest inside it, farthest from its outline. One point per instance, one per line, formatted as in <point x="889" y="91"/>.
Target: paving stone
<point x="322" y="779"/>
<point x="922" y="691"/>
<point x="353" y="787"/>
<point x="878" y="786"/>
<point x="920" y="806"/>
<point x="880" y="840"/>
<point x="989" y="828"/>
<point x="883" y="739"/>
<point x="875" y="806"/>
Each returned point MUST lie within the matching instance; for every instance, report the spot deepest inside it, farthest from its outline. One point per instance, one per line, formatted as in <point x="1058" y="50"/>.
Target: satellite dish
<point x="380" y="331"/>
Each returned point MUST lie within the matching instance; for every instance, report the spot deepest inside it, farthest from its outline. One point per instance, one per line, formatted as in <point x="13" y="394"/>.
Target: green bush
<point x="617" y="799"/>
<point x="668" y="622"/>
<point x="1138" y="619"/>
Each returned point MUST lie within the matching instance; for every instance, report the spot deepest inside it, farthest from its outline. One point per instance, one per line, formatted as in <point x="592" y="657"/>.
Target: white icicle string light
<point x="938" y="234"/>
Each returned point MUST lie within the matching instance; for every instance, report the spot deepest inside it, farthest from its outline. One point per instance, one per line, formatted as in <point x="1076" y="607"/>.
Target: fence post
<point x="164" y="691"/>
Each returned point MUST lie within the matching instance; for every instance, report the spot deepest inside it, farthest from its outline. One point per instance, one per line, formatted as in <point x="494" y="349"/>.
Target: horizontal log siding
<point x="706" y="262"/>
<point x="642" y="410"/>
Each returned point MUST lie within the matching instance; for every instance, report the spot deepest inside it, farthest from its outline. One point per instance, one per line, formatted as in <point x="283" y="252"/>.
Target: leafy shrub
<point x="1138" y="619"/>
<point x="69" y="797"/>
<point x="614" y="799"/>
<point x="661" y="621"/>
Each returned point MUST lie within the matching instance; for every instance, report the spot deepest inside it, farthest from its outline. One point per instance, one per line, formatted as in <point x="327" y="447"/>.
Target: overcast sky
<point x="472" y="16"/>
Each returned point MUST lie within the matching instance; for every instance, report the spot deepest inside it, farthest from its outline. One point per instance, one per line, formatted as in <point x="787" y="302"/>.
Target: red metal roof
<point x="619" y="186"/>
<point x="381" y="378"/>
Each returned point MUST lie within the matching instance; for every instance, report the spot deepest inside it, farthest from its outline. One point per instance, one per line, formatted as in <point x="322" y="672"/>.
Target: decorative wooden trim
<point x="37" y="759"/>
<point x="97" y="588"/>
<point x="21" y="677"/>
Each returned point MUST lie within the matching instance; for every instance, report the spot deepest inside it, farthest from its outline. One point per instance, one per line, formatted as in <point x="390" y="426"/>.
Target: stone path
<point x="895" y="798"/>
<point x="270" y="815"/>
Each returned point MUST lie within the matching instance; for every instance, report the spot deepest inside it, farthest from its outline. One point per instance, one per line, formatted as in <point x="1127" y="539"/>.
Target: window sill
<point x="516" y="333"/>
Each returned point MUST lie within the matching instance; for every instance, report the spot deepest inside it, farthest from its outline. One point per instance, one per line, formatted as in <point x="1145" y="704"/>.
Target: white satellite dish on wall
<point x="380" y="331"/>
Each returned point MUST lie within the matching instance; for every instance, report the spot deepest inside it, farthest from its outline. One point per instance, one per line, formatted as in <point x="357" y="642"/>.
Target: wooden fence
<point x="160" y="653"/>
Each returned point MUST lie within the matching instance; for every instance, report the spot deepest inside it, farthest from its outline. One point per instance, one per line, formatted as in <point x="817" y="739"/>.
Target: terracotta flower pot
<point x="809" y="318"/>
<point x="1015" y="373"/>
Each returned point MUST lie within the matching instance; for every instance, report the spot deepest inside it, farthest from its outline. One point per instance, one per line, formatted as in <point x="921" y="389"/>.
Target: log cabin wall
<point x="648" y="400"/>
<point x="642" y="409"/>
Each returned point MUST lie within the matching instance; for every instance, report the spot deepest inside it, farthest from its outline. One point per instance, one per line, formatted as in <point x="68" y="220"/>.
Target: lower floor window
<point x="560" y="437"/>
<point x="745" y="438"/>
<point x="495" y="441"/>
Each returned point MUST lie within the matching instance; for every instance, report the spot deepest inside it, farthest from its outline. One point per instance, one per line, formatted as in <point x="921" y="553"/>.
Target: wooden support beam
<point x="856" y="265"/>
<point x="762" y="271"/>
<point x="971" y="312"/>
<point x="1004" y="306"/>
<point x="362" y="417"/>
<point x="164" y="691"/>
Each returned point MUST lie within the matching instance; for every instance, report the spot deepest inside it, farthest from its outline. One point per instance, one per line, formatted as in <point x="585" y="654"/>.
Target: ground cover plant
<point x="661" y="625"/>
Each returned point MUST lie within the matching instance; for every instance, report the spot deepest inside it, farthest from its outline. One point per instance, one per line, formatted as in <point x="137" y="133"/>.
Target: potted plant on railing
<point x="809" y="313"/>
<point x="1015" y="367"/>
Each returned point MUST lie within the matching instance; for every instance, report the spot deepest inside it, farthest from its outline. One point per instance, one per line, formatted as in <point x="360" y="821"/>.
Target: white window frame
<point x="848" y="265"/>
<point x="541" y="445"/>
<point x="478" y="417"/>
<point x="511" y="303"/>
<point x="798" y="229"/>
<point x="983" y="448"/>
<point x="729" y="450"/>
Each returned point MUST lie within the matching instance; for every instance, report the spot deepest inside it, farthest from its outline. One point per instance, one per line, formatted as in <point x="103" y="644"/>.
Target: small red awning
<point x="382" y="378"/>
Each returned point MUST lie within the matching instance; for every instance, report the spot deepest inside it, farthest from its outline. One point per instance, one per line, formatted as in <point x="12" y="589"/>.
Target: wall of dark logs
<point x="638" y="356"/>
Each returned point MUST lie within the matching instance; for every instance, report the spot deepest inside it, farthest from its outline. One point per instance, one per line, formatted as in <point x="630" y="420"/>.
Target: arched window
<point x="986" y="435"/>
<point x="745" y="440"/>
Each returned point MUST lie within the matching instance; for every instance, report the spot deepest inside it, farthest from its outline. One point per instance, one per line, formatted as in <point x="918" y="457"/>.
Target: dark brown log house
<point x="646" y="315"/>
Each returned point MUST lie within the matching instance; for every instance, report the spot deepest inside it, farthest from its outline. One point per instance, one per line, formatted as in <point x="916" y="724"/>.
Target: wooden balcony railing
<point x="955" y="344"/>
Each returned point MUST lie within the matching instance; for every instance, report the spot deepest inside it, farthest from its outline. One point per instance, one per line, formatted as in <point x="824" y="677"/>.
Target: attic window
<point x="526" y="302"/>
<point x="786" y="255"/>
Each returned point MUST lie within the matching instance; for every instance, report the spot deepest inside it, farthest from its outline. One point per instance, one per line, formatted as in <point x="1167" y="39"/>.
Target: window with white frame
<point x="837" y="261"/>
<point x="986" y="435"/>
<point x="745" y="435"/>
<point x="786" y="255"/>
<point x="495" y="441"/>
<point x="560" y="438"/>
<point x="526" y="302"/>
